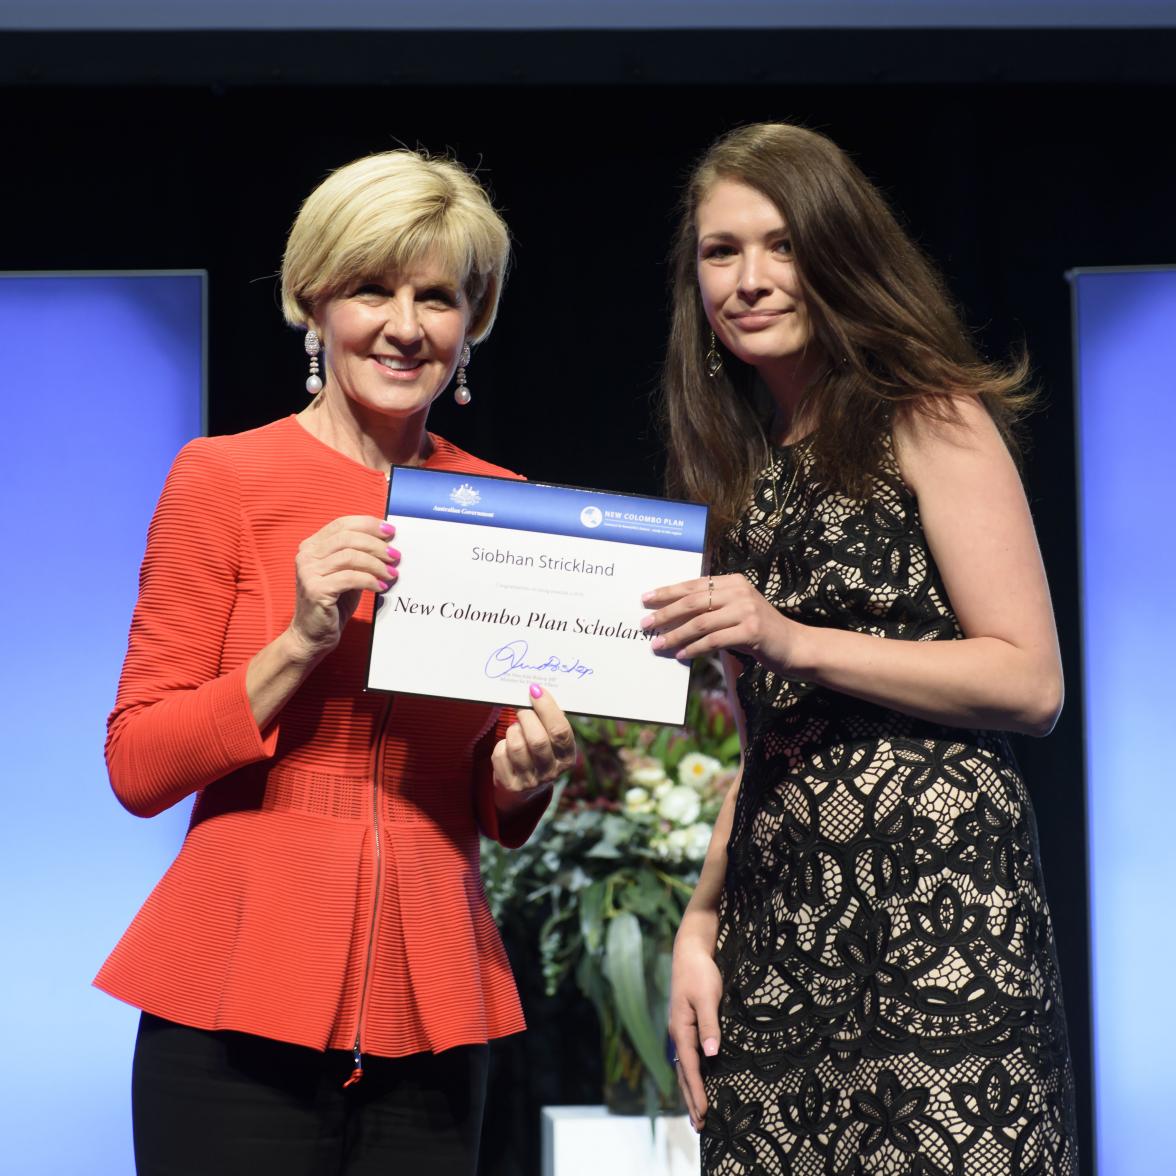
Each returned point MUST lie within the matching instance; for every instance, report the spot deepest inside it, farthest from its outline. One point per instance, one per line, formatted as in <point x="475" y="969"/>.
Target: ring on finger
<point x="710" y="593"/>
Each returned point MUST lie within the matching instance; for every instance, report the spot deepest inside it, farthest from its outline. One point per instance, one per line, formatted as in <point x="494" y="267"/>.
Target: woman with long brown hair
<point x="865" y="978"/>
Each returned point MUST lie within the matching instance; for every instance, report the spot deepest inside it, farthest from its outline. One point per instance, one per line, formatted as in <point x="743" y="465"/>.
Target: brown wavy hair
<point x="878" y="309"/>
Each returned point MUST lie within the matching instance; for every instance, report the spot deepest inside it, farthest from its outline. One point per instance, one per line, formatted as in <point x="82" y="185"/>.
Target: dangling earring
<point x="462" y="393"/>
<point x="313" y="346"/>
<point x="714" y="361"/>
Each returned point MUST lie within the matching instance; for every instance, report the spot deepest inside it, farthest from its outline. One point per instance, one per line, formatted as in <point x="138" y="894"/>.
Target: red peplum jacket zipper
<point x="377" y="882"/>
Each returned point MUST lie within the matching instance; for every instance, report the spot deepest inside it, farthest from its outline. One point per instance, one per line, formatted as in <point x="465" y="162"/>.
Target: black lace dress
<point x="891" y="1001"/>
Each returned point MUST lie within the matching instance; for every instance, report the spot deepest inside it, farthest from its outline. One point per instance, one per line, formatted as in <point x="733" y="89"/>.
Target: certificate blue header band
<point x="555" y="510"/>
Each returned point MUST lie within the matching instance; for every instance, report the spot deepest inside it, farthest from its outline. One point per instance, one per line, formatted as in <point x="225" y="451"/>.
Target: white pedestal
<point x="588" y="1141"/>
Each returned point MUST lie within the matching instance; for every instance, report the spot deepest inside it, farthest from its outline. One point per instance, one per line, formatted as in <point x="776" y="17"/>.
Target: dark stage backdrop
<point x="1007" y="185"/>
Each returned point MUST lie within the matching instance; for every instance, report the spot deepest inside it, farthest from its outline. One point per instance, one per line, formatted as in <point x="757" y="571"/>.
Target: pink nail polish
<point x="645" y="597"/>
<point x="658" y="642"/>
<point x="647" y="622"/>
<point x="391" y="571"/>
<point x="393" y="555"/>
<point x="536" y="691"/>
<point x="382" y="586"/>
<point x="387" y="529"/>
<point x="710" y="1047"/>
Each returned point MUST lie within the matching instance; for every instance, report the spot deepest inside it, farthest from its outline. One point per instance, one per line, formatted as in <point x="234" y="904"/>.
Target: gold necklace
<point x="779" y="504"/>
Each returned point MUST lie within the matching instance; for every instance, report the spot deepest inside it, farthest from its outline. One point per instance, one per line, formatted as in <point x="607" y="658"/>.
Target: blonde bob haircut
<point x="389" y="212"/>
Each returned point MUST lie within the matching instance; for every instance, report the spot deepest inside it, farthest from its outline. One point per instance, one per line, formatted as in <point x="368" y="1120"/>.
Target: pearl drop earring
<point x="313" y="345"/>
<point x="462" y="393"/>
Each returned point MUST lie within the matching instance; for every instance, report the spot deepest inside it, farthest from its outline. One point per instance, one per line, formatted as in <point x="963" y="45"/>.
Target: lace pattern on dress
<point x="891" y="998"/>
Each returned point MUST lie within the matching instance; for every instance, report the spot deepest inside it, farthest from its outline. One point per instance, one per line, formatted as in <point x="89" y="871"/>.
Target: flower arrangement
<point x="602" y="884"/>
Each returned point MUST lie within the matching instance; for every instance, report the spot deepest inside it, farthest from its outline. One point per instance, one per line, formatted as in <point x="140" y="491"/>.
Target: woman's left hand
<point x="538" y="748"/>
<point x="720" y="612"/>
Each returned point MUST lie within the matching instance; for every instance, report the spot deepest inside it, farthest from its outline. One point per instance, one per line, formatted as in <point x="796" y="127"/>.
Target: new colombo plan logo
<point x="465" y="495"/>
<point x="590" y="516"/>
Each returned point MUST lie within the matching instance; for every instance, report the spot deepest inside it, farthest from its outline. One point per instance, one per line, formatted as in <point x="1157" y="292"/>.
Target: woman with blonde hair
<point x="865" y="978"/>
<point x="318" y="970"/>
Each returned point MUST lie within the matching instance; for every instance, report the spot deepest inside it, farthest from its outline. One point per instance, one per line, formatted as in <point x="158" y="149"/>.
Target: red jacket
<point x="328" y="888"/>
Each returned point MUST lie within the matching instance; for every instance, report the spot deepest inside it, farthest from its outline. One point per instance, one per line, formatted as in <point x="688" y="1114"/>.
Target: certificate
<point x="505" y="583"/>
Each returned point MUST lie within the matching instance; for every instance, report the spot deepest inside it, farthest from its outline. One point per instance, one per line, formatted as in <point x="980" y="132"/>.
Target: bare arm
<point x="1007" y="672"/>
<point x="695" y="986"/>
<point x="700" y="921"/>
<point x="701" y="917"/>
<point x="1004" y="674"/>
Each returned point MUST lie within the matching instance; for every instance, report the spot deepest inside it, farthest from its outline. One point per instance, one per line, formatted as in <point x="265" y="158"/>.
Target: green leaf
<point x="584" y="822"/>
<point x="624" y="966"/>
<point x="591" y="982"/>
<point x="675" y="754"/>
<point x="645" y="896"/>
<point x="660" y="1003"/>
<point x="587" y="729"/>
<point x="616" y="829"/>
<point x="591" y="901"/>
<point x="661" y="741"/>
<point x="603" y="849"/>
<point x="728" y="752"/>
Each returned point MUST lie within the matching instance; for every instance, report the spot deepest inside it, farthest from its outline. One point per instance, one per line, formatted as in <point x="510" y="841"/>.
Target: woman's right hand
<point x="695" y="989"/>
<point x="348" y="556"/>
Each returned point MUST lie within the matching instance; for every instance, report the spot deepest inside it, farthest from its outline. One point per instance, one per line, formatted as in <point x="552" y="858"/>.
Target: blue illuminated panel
<point x="104" y="379"/>
<point x="1125" y="325"/>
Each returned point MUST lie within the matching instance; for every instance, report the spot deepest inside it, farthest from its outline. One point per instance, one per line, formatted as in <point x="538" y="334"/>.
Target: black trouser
<point x="230" y="1104"/>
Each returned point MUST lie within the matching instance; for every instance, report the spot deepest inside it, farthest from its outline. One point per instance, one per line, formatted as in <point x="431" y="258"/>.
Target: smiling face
<point x="392" y="343"/>
<point x="747" y="276"/>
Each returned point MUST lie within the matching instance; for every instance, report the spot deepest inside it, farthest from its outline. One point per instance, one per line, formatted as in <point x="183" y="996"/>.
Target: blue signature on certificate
<point x="513" y="656"/>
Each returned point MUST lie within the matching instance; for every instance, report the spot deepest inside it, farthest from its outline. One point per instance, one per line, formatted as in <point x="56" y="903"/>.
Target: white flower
<point x="672" y="846"/>
<point x="659" y="790"/>
<point x="647" y="772"/>
<point x="697" y="770"/>
<point x="698" y="838"/>
<point x="637" y="800"/>
<point x="680" y="805"/>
